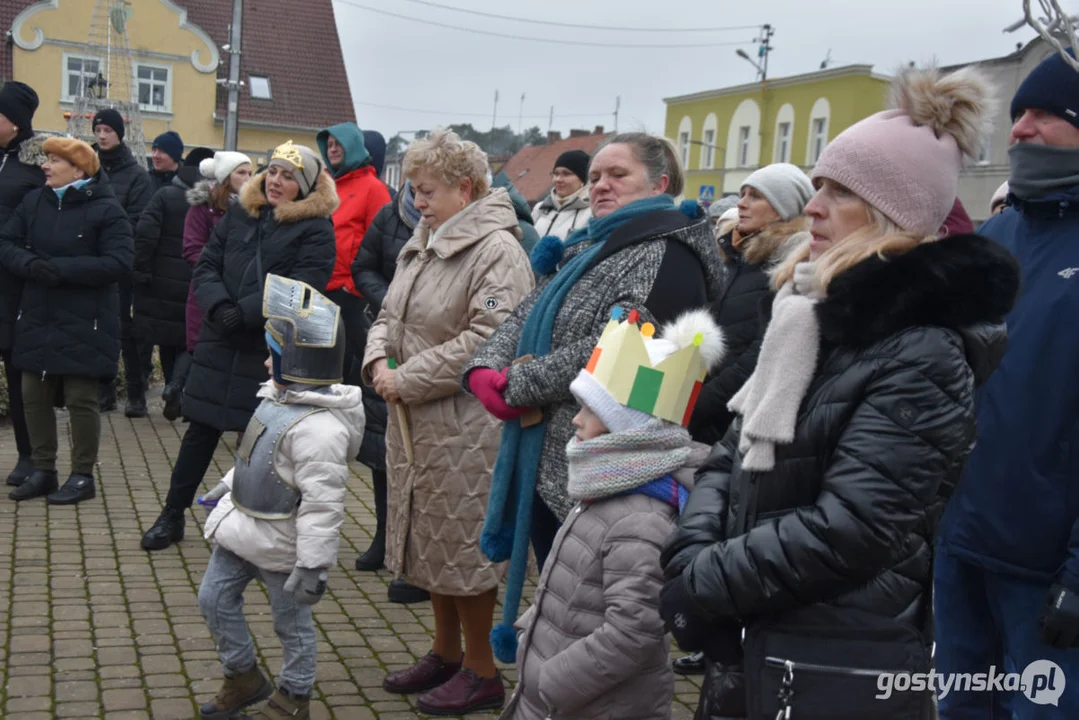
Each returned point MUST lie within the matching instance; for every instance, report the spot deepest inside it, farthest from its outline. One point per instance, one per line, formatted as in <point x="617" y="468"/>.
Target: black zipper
<point x="791" y="665"/>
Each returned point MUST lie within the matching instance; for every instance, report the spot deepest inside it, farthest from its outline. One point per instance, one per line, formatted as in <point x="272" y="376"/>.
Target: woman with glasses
<point x="566" y="207"/>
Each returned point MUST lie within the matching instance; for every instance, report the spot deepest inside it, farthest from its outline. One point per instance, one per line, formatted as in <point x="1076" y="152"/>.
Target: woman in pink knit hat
<point x="810" y="529"/>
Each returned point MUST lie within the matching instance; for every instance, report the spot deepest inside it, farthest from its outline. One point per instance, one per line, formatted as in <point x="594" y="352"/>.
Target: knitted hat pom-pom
<point x="504" y="643"/>
<point x="547" y="254"/>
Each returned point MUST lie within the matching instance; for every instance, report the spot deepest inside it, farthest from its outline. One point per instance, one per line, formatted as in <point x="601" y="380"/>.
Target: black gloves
<point x="719" y="640"/>
<point x="230" y="317"/>
<point x="43" y="272"/>
<point x="1060" y="620"/>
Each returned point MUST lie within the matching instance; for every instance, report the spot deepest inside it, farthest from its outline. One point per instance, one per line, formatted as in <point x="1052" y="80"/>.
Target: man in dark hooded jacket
<point x="133" y="189"/>
<point x="20" y="173"/>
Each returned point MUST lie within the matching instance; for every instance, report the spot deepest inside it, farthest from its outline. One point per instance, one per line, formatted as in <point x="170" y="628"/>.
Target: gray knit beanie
<point x="786" y="188"/>
<point x="303" y="162"/>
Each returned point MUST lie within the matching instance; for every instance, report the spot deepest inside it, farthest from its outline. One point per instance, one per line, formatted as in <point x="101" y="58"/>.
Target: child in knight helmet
<point x="593" y="644"/>
<point x="279" y="511"/>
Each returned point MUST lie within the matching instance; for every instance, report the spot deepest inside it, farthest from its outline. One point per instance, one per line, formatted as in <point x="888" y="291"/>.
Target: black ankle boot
<point x="40" y="483"/>
<point x="136" y="404"/>
<point x="375" y="557"/>
<point x="167" y="529"/>
<point x="172" y="395"/>
<point x="23" y="470"/>
<point x="404" y="594"/>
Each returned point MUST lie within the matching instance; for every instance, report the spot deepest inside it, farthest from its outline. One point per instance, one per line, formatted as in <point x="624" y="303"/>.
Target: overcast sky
<point x="453" y="74"/>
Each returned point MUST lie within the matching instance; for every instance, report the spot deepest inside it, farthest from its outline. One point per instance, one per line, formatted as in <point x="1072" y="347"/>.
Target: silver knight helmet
<point x="309" y="330"/>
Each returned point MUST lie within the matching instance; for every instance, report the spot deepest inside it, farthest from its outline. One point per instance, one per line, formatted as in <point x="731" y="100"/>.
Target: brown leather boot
<point x="236" y="693"/>
<point x="283" y="705"/>
<point x="430" y="672"/>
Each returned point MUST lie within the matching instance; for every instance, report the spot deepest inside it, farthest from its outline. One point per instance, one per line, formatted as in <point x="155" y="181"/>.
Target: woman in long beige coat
<point x="458" y="277"/>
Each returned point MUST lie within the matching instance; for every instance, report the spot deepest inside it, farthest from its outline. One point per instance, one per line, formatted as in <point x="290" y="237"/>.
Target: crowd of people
<point x="818" y="433"/>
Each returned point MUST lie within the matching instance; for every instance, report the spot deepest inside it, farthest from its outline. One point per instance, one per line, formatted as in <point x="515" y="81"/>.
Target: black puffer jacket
<point x="130" y="181"/>
<point x="20" y="173"/>
<point x="844" y="524"/>
<point x="296" y="240"/>
<point x="372" y="271"/>
<point x="739" y="312"/>
<point x="162" y="276"/>
<point x="74" y="328"/>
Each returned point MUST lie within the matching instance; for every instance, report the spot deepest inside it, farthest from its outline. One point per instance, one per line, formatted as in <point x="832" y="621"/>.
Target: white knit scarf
<point x="769" y="401"/>
<point x="615" y="463"/>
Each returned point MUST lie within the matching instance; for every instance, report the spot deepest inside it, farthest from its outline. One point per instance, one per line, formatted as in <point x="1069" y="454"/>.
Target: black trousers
<point x="169" y="356"/>
<point x="196" y="453"/>
<point x="352" y="315"/>
<point x="138" y="359"/>
<point x="16" y="412"/>
<point x="545" y="526"/>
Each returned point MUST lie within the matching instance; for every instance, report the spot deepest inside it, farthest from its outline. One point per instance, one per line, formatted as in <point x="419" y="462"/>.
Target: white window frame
<point x="251" y="86"/>
<point x="709" y="149"/>
<point x="683" y="147"/>
<point x="65" y="57"/>
<point x="818" y="135"/>
<point x="783" y="142"/>
<point x="167" y="107"/>
<point x="744" y="132"/>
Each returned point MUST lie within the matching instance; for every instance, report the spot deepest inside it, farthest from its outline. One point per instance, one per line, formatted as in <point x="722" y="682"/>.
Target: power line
<point x="575" y="25"/>
<point x="534" y="39"/>
<point x="471" y="114"/>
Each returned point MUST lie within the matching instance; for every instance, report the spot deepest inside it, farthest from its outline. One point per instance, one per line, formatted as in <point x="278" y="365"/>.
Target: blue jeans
<point x="986" y="619"/>
<point x="221" y="599"/>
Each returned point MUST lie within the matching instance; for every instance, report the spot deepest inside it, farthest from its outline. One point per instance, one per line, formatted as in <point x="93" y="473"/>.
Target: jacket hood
<point x="186" y="177"/>
<point x="770" y="245"/>
<point x="350" y="137"/>
<point x="199" y="194"/>
<point x="966" y="283"/>
<point x="489" y="214"/>
<point x="1054" y="205"/>
<point x="319" y="203"/>
<point x="344" y="401"/>
<point x="30" y="152"/>
<point x="579" y="200"/>
<point x="520" y="206"/>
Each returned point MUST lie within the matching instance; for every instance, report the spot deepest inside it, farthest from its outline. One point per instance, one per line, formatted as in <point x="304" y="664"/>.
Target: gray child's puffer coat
<point x="593" y="643"/>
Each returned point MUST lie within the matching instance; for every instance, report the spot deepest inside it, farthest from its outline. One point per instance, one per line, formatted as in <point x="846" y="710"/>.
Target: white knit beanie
<point x="222" y="164"/>
<point x="616" y="416"/>
<point x="786" y="188"/>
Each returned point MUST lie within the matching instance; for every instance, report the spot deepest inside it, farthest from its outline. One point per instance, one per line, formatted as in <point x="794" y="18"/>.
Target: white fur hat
<point x="222" y="164"/>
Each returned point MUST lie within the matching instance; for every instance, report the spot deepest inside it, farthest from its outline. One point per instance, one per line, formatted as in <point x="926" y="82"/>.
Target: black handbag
<point x="824" y="663"/>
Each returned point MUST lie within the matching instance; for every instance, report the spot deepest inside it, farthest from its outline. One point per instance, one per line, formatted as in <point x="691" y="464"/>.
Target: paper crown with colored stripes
<point x="661" y="376"/>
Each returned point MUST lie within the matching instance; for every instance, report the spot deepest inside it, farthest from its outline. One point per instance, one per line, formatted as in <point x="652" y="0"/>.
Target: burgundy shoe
<point x="464" y="693"/>
<point x="430" y="672"/>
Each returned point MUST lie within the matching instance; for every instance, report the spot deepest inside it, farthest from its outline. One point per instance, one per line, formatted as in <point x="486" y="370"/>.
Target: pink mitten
<point x="487" y="385"/>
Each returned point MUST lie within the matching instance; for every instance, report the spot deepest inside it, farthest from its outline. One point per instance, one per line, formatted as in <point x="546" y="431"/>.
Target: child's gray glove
<point x="210" y="499"/>
<point x="307" y="585"/>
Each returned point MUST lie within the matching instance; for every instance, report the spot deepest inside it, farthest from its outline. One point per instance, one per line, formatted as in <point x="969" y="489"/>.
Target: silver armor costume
<point x="257" y="488"/>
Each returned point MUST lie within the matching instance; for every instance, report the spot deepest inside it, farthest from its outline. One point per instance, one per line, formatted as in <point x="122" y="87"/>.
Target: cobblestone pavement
<point x="91" y="626"/>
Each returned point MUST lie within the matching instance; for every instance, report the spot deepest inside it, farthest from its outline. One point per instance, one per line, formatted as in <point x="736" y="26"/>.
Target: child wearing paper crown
<point x="593" y="643"/>
<point x="279" y="510"/>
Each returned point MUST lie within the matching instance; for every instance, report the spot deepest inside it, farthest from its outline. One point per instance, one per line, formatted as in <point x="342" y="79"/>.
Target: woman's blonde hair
<point x="446" y="155"/>
<point x="880" y="236"/>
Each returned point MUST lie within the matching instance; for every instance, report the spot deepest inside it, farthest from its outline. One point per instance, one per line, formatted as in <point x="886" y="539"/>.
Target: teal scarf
<point x="507" y="526"/>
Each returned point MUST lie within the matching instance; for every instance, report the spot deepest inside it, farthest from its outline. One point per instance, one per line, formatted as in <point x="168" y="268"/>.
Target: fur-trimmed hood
<point x="31" y="152"/>
<point x="200" y="193"/>
<point x="963" y="283"/>
<point x="319" y="203"/>
<point x="770" y="245"/>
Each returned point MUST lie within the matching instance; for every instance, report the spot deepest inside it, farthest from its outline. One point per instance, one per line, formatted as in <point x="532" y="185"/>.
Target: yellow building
<point x="725" y="134"/>
<point x="177" y="56"/>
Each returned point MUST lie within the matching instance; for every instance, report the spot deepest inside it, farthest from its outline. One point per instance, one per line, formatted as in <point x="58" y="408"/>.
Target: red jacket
<point x="362" y="195"/>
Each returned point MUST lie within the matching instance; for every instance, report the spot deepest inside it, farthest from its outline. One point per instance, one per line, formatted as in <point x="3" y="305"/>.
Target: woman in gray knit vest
<point x="640" y="251"/>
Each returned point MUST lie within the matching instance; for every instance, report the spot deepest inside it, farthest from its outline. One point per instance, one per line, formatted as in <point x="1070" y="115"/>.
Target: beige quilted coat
<point x="444" y="302"/>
